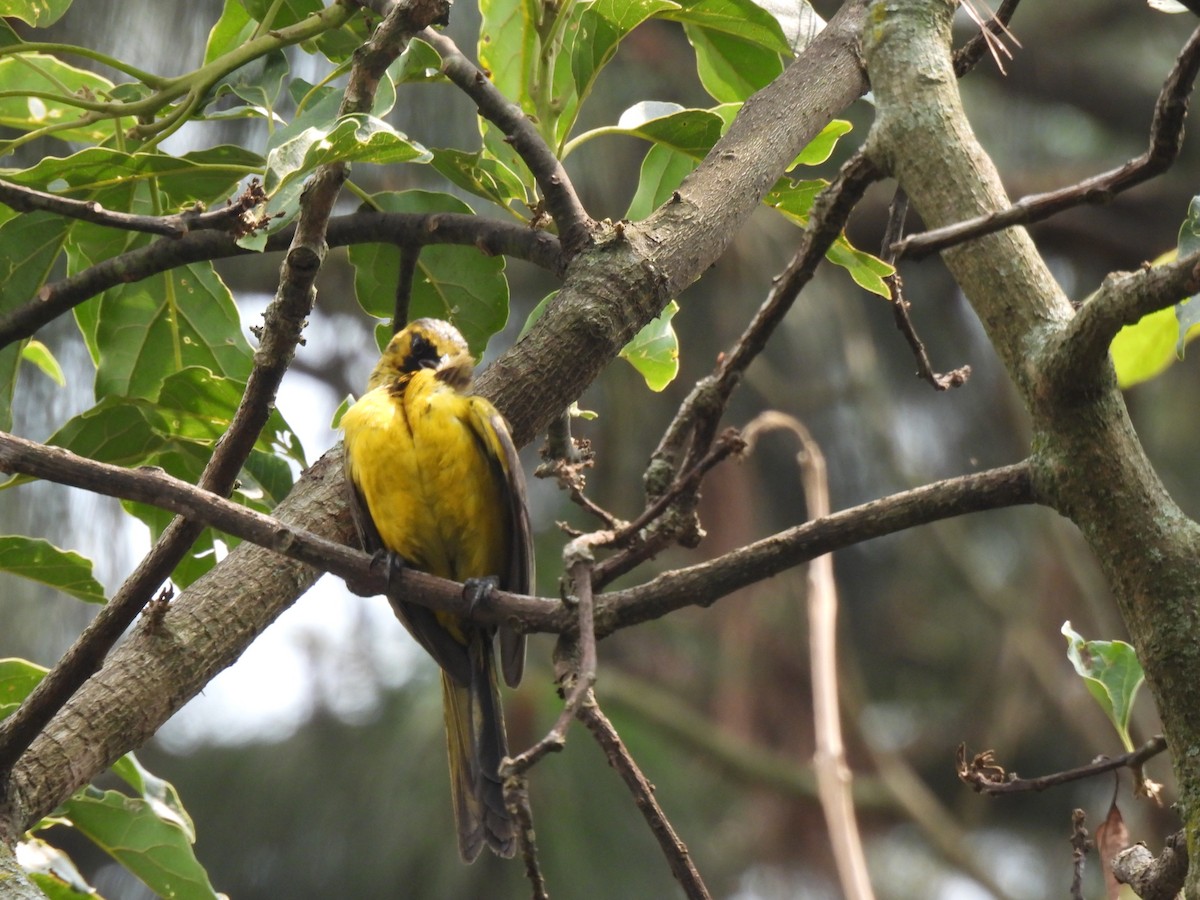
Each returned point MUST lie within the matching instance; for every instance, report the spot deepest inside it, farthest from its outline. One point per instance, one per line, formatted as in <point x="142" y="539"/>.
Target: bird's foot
<point x="477" y="591"/>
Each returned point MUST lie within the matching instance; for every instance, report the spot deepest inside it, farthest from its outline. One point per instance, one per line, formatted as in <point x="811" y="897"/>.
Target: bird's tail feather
<point x="476" y="743"/>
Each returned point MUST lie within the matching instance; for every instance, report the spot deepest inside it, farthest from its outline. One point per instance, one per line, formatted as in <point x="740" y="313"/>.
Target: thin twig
<point x="285" y="318"/>
<point x="233" y="217"/>
<point x="1166" y="142"/>
<point x="987" y="777"/>
<point x="490" y="236"/>
<point x="640" y="547"/>
<point x="619" y="758"/>
<point x="897" y="211"/>
<point x="579" y="663"/>
<point x="993" y="31"/>
<point x="696" y="421"/>
<point x="516" y="801"/>
<point x="563" y="204"/>
<point x="1081" y="348"/>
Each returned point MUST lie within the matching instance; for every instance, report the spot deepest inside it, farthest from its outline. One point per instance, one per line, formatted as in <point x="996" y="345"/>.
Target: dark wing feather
<point x="518" y="577"/>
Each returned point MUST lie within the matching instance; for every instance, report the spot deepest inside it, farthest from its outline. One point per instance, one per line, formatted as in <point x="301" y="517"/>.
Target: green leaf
<point x="1145" y="349"/>
<point x="355" y="138"/>
<point x="509" y="51"/>
<point x="419" y="62"/>
<point x="156" y="850"/>
<point x="28" y="72"/>
<point x="232" y="29"/>
<point x="795" y="199"/>
<point x="1112" y="673"/>
<point x="456" y="283"/>
<point x="18" y="677"/>
<point x="740" y="47"/>
<point x="691" y="132"/>
<point x="205" y="175"/>
<point x="867" y="271"/>
<point x="141" y="333"/>
<point x="820" y="148"/>
<point x="38" y="354"/>
<point x="742" y="19"/>
<point x="38" y="13"/>
<point x="289" y="12"/>
<point x="732" y="69"/>
<point x="177" y="430"/>
<point x="41" y="561"/>
<point x="602" y="26"/>
<point x="31" y="242"/>
<point x="654" y="351"/>
<point x="158" y="792"/>
<point x="663" y="170"/>
<point x="481" y="175"/>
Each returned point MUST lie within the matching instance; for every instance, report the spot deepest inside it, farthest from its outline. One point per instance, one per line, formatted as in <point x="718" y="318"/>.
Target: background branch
<point x="1166" y="142"/>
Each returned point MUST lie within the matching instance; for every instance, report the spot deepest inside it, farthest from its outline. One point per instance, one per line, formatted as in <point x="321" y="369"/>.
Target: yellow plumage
<point x="435" y="479"/>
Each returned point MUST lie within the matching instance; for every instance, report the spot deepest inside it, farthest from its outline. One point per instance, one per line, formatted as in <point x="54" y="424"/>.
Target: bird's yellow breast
<point x="420" y="455"/>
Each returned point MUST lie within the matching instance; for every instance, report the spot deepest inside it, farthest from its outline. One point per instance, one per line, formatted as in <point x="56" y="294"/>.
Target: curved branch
<point x="563" y="204"/>
<point x="492" y="237"/>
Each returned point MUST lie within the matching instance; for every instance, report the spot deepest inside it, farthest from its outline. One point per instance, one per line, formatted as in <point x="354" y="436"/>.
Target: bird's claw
<point x="389" y="563"/>
<point x="477" y="591"/>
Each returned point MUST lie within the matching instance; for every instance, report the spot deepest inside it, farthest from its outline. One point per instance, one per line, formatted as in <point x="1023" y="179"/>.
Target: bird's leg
<point x="477" y="591"/>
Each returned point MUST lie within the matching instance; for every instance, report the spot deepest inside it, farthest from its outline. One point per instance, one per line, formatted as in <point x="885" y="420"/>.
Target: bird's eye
<point x="422" y="354"/>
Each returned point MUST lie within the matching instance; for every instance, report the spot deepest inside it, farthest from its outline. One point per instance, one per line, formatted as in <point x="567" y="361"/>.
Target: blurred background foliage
<point x="316" y="768"/>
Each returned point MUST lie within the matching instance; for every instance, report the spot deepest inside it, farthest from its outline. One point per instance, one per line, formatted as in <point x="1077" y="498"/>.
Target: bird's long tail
<point x="476" y="744"/>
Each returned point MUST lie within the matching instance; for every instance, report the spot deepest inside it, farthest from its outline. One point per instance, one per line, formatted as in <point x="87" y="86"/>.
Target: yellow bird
<point x="434" y="478"/>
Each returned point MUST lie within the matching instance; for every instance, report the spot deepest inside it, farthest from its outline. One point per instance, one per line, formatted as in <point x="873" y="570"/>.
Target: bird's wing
<point x="492" y="431"/>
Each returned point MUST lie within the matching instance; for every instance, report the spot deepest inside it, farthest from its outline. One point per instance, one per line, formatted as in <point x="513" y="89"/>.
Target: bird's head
<point x="425" y="344"/>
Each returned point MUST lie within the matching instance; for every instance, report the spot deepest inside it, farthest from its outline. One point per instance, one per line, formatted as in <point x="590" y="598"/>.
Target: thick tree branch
<point x="1153" y="878"/>
<point x="492" y="237"/>
<point x="1166" y="142"/>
